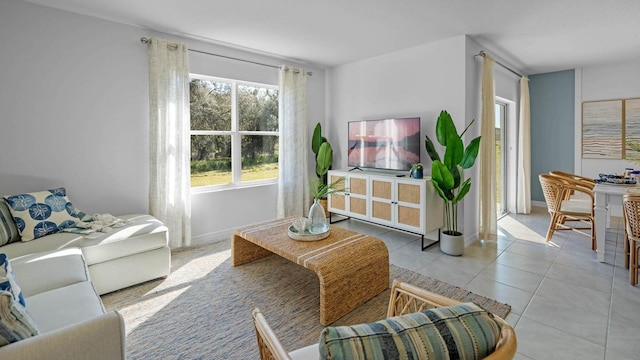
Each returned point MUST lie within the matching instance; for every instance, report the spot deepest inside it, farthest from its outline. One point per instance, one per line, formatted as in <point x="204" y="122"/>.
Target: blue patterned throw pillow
<point x="8" y="280"/>
<point x="464" y="331"/>
<point x="41" y="213"/>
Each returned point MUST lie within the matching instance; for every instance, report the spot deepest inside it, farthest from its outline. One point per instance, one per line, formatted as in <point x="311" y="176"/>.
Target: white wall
<point x="614" y="81"/>
<point x="74" y="100"/>
<point x="420" y="81"/>
<point x="216" y="214"/>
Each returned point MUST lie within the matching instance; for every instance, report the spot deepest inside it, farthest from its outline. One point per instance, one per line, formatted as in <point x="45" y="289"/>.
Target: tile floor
<point x="565" y="304"/>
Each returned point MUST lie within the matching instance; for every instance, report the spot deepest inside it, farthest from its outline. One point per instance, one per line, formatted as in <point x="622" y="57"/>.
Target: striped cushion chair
<point x="464" y="331"/>
<point x="419" y="325"/>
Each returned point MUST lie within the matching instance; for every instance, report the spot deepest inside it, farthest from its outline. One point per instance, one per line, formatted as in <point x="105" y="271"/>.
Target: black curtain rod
<point x="483" y="53"/>
<point x="145" y="41"/>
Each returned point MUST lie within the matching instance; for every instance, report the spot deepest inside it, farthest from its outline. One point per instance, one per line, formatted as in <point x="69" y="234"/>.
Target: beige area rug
<point x="202" y="310"/>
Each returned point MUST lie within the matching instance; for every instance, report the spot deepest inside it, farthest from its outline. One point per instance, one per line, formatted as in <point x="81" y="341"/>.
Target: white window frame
<point x="236" y="137"/>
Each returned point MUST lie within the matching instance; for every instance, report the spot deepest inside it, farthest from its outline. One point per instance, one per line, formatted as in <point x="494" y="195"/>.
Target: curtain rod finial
<point x="144" y="40"/>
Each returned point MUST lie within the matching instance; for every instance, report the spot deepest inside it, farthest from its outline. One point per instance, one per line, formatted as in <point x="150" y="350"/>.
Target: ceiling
<point x="536" y="36"/>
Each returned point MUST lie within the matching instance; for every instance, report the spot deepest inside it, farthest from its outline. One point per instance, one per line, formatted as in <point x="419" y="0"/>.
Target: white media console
<point x="402" y="203"/>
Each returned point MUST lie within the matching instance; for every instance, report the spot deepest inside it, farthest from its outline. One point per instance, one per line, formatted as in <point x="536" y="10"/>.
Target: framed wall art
<point x="632" y="127"/>
<point x="603" y="129"/>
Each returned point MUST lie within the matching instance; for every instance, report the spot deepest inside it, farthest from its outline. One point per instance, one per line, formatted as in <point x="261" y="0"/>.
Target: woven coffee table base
<point x="352" y="267"/>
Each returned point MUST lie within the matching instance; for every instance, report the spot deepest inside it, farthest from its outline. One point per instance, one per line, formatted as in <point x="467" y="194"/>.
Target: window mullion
<point x="211" y="132"/>
<point x="236" y="148"/>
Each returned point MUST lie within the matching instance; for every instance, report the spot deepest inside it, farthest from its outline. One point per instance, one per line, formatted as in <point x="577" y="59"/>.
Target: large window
<point x="234" y="132"/>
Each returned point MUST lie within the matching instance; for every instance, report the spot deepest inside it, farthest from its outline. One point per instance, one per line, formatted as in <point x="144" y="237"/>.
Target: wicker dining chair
<point x="564" y="208"/>
<point x="631" y="207"/>
<point x="405" y="298"/>
<point x="587" y="180"/>
<point x="587" y="183"/>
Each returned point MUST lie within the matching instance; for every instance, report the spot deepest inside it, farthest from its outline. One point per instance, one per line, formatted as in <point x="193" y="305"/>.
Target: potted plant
<point x="324" y="159"/>
<point x="417" y="171"/>
<point x="447" y="174"/>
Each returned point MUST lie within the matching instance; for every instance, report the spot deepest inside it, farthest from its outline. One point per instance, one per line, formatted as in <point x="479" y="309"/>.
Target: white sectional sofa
<point x="124" y="256"/>
<point x="67" y="311"/>
<point x="62" y="275"/>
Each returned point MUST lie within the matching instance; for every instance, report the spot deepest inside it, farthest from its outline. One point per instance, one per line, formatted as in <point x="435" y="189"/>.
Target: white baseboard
<point x="541" y="204"/>
<point x="212" y="237"/>
<point x="470" y="240"/>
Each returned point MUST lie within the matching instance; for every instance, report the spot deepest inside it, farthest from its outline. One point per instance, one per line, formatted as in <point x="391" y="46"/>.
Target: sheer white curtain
<point x="523" y="200"/>
<point x="293" y="183"/>
<point x="169" y="181"/>
<point x="488" y="218"/>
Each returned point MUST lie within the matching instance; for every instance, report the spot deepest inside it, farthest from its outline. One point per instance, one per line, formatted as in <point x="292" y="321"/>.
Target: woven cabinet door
<point x="410" y="198"/>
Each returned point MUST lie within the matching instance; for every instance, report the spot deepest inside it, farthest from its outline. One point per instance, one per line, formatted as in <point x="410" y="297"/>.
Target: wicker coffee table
<point x="352" y="267"/>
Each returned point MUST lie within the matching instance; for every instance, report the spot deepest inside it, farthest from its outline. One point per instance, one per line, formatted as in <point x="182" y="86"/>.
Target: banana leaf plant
<point x="324" y="155"/>
<point x="447" y="172"/>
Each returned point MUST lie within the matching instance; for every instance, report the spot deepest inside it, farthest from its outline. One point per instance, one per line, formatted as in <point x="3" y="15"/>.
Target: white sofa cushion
<point x="311" y="352"/>
<point x="62" y="268"/>
<point x="141" y="233"/>
<point x="65" y="306"/>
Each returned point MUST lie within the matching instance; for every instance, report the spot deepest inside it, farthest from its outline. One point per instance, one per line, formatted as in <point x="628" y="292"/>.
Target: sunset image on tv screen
<point x="392" y="144"/>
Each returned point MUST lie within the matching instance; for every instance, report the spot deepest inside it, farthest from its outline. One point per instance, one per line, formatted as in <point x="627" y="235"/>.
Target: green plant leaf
<point x="324" y="159"/>
<point x="470" y="153"/>
<point x="431" y="149"/>
<point x="321" y="191"/>
<point x="442" y="175"/>
<point x="316" y="139"/>
<point x="439" y="190"/>
<point x="457" y="176"/>
<point x="454" y="151"/>
<point x="436" y="172"/>
<point x="464" y="190"/>
<point x="444" y="128"/>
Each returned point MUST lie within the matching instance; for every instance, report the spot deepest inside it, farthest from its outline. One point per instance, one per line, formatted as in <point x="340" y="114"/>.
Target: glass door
<point x="501" y="158"/>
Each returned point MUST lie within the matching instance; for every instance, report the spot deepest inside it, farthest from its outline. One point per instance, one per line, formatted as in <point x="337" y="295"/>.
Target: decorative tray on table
<point x="613" y="179"/>
<point x="307" y="236"/>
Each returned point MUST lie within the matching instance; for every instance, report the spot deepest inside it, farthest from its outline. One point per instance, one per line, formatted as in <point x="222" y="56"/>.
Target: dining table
<point x="606" y="195"/>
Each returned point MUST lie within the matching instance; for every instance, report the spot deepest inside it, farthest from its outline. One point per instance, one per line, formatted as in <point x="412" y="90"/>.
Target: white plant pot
<point x="452" y="244"/>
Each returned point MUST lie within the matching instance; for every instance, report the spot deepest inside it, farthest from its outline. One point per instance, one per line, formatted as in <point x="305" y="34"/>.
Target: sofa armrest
<point x="102" y="337"/>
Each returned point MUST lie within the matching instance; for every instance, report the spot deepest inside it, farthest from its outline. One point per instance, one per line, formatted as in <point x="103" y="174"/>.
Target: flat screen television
<point x="390" y="144"/>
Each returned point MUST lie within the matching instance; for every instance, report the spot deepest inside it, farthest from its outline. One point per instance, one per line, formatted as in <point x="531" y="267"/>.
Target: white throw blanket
<point x="97" y="223"/>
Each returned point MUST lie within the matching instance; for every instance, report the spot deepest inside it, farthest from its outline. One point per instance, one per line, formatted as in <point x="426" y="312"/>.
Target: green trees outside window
<point x="234" y="131"/>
